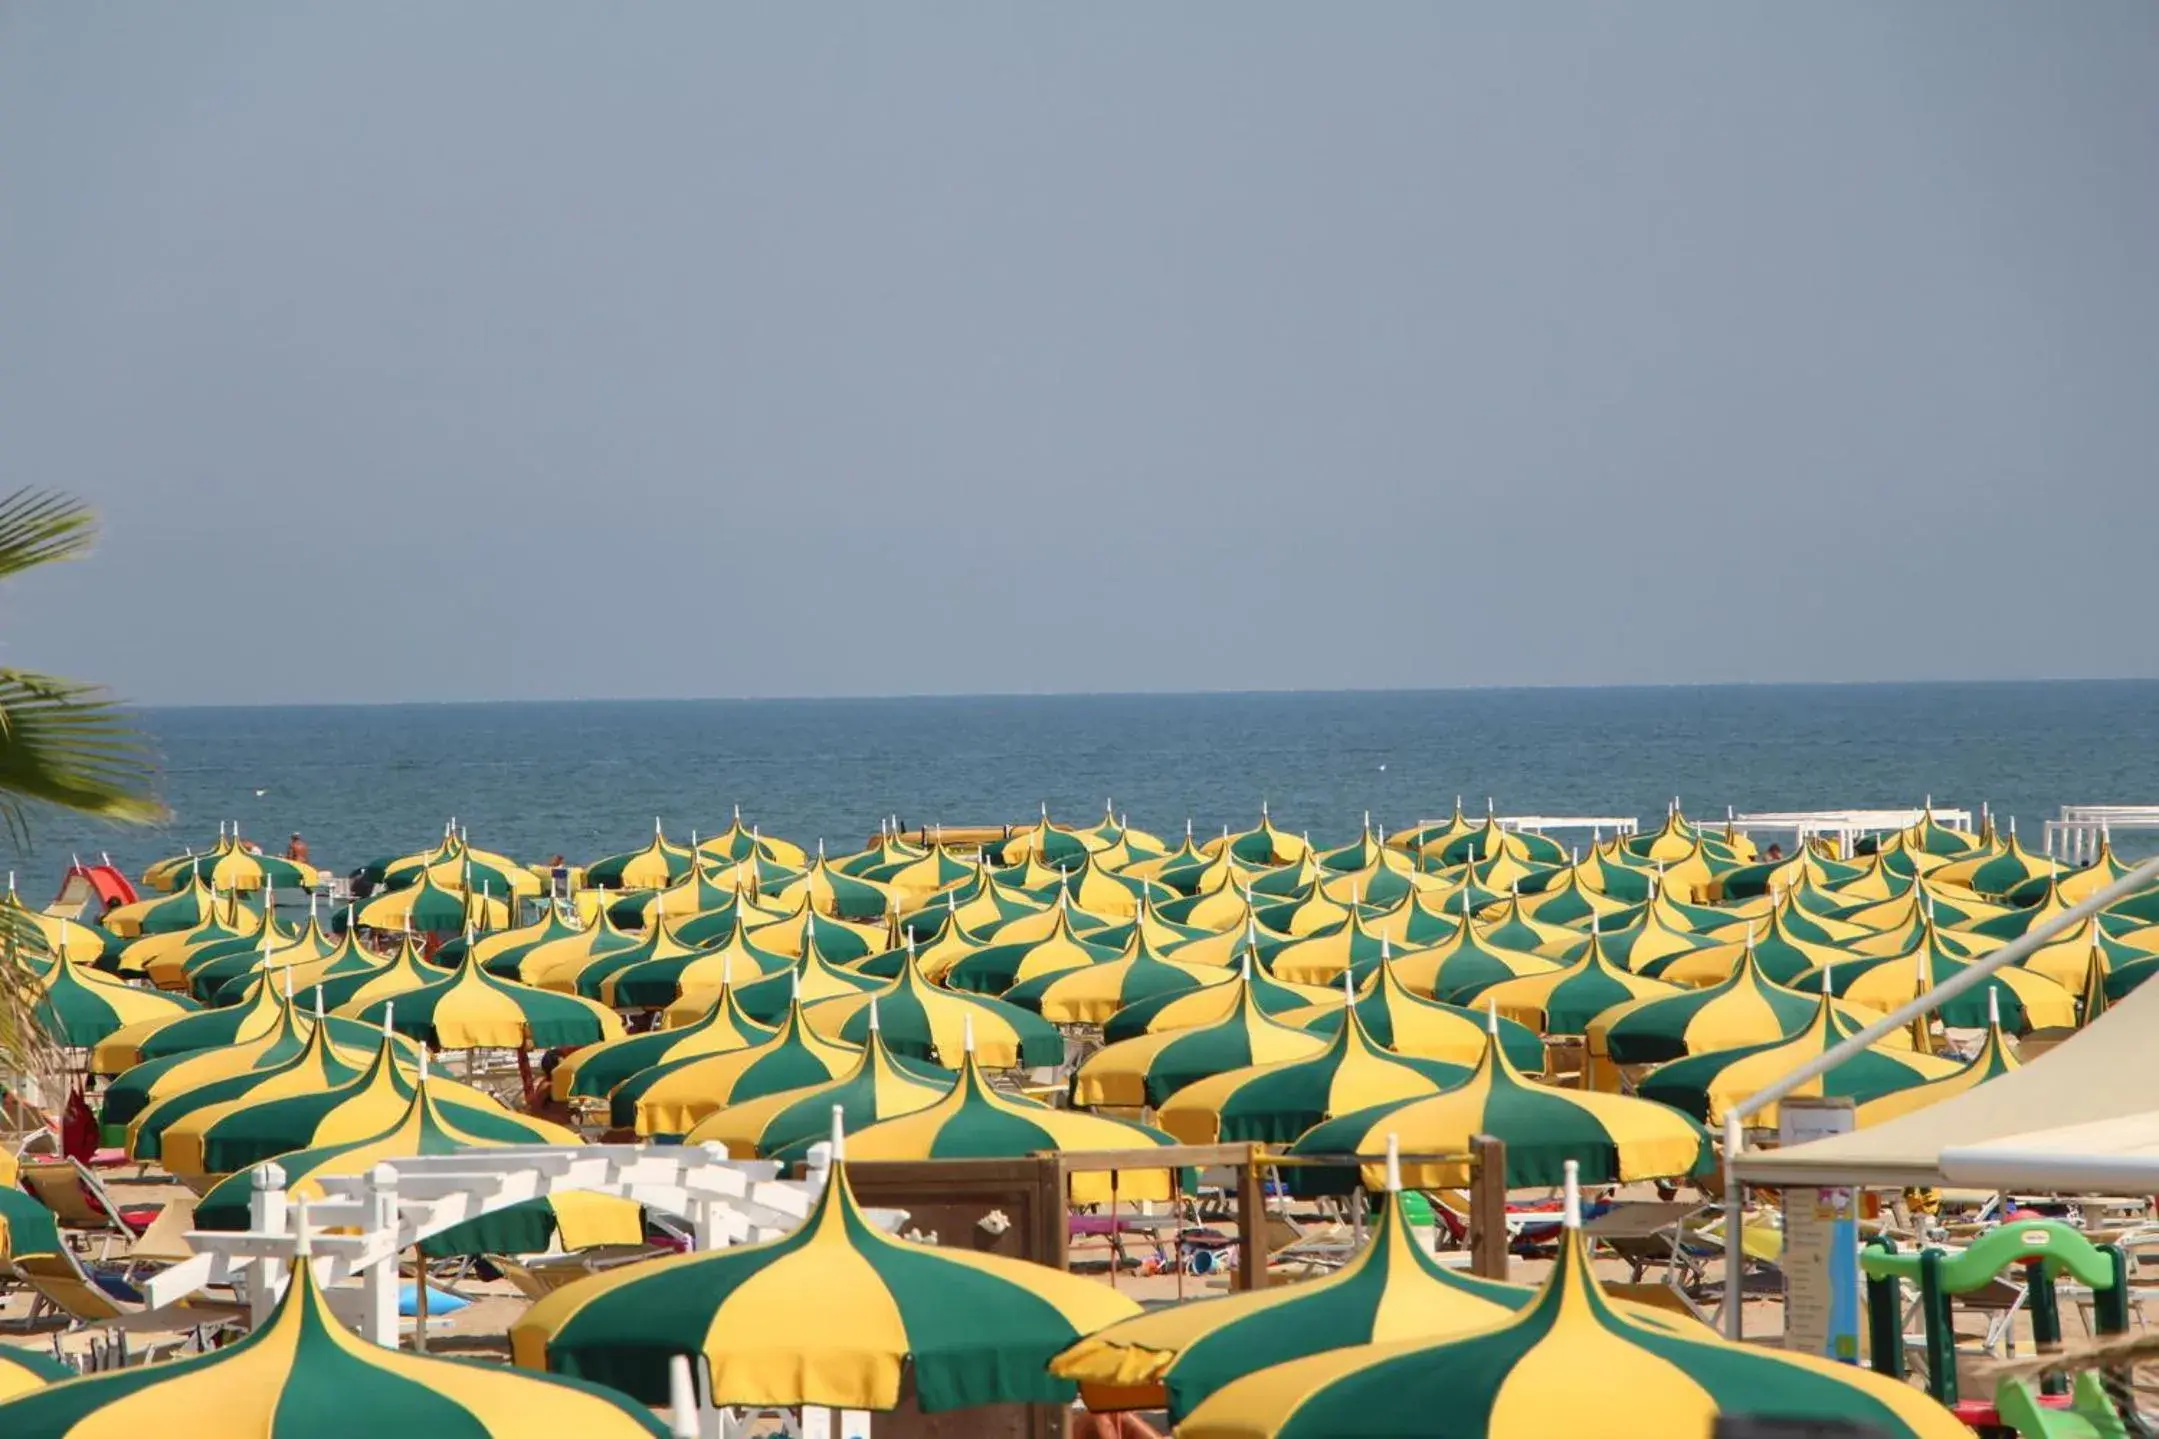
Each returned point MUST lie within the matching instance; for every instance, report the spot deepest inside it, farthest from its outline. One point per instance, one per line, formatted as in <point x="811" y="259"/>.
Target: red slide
<point x="100" y="882"/>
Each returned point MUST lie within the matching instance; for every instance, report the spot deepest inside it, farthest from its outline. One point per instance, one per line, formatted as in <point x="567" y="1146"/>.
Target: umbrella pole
<point x="419" y="1301"/>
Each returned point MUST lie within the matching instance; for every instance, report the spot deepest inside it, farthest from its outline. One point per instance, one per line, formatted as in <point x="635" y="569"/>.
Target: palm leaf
<point x="38" y="527"/>
<point x="69" y="744"/>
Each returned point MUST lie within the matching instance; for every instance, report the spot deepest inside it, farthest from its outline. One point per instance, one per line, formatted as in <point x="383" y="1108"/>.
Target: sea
<point x="590" y="778"/>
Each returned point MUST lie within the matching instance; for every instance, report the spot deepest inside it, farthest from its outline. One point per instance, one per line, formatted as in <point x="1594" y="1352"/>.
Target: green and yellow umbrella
<point x="2068" y="958"/>
<point x="233" y="868"/>
<point x="1465" y="963"/>
<point x="1044" y="843"/>
<point x="472" y="1009"/>
<point x="1781" y="953"/>
<point x="594" y="1071"/>
<point x="1811" y="864"/>
<point x="526" y="962"/>
<point x="304" y="1375"/>
<point x="1262" y="844"/>
<point x="1617" y="1139"/>
<point x="1564" y="1001"/>
<point x="1994" y="1059"/>
<point x="692" y="978"/>
<point x="1654" y="941"/>
<point x="145" y="1084"/>
<point x="1322" y="959"/>
<point x="77" y="1007"/>
<point x="590" y="975"/>
<point x="837" y="894"/>
<point x="921" y="1021"/>
<point x="582" y="1219"/>
<point x="83" y="943"/>
<point x="811" y="979"/>
<point x="1507" y="927"/>
<point x="23" y="1371"/>
<point x="2125" y="978"/>
<point x="2027" y="1001"/>
<point x="185" y="909"/>
<point x="974" y="1121"/>
<point x="1275" y="1102"/>
<point x="1094" y="992"/>
<point x="1147" y="1069"/>
<point x="1176" y="1357"/>
<point x="424" y="908"/>
<point x="1997" y="871"/>
<point x="885" y="855"/>
<point x="999" y="967"/>
<point x="167" y="1035"/>
<point x="880" y="1086"/>
<point x="1745" y="1009"/>
<point x="163" y="958"/>
<point x="468" y="870"/>
<point x="835" y="1314"/>
<point x="977" y="904"/>
<point x="210" y="974"/>
<point x="698" y="892"/>
<point x="360" y="983"/>
<point x="656" y="866"/>
<point x="1571" y="1362"/>
<point x="504" y="951"/>
<point x="736" y="843"/>
<point x="1299" y="916"/>
<point x="671" y="1098"/>
<point x="228" y="1136"/>
<point x="804" y="931"/>
<point x="1213" y="1003"/>
<point x="26" y="1228"/>
<point x="1565" y="899"/>
<point x="1410" y="1024"/>
<point x="316" y="1066"/>
<point x="1707" y="1085"/>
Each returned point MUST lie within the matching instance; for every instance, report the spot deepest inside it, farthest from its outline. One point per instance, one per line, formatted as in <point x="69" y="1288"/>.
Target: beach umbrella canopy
<point x="2069" y="958"/>
<point x="229" y="868"/>
<point x="973" y="1121"/>
<point x="1808" y="864"/>
<point x="656" y="866"/>
<point x="880" y="1086"/>
<point x="1323" y="958"/>
<point x="184" y="1033"/>
<point x="305" y="1375"/>
<point x="1564" y="1001"/>
<point x="27" y="1227"/>
<point x="812" y="978"/>
<point x="1562" y="898"/>
<point x="208" y="971"/>
<point x="737" y="842"/>
<point x="272" y="1119"/>
<point x="1998" y="871"/>
<point x="361" y="980"/>
<point x="1995" y="1058"/>
<point x="969" y="1329"/>
<point x="1745" y="1009"/>
<point x="1780" y="950"/>
<point x="23" y="1370"/>
<point x="2027" y="1001"/>
<point x="1043" y="843"/>
<point x="1146" y="1070"/>
<point x="163" y="958"/>
<point x="1176" y="1357"/>
<point x="84" y="943"/>
<point x="237" y="978"/>
<point x="1409" y="1024"/>
<point x="1706" y="1085"/>
<point x="670" y="1098"/>
<point x="1507" y="927"/>
<point x="78" y="1007"/>
<point x="472" y="871"/>
<point x="594" y="1071"/>
<point x="696" y="976"/>
<point x="145" y="1084"/>
<point x="998" y="967"/>
<point x="472" y="1009"/>
<point x="581" y="1219"/>
<point x="1212" y="1003"/>
<point x="1465" y="963"/>
<point x="1093" y="993"/>
<point x="976" y="904"/>
<point x="700" y="892"/>
<point x="315" y="1066"/>
<point x="504" y="951"/>
<point x="2126" y="977"/>
<point x="804" y="931"/>
<point x="838" y="894"/>
<point x="1275" y="1102"/>
<point x="1571" y="1362"/>
<point x="184" y="909"/>
<point x="424" y="908"/>
<point x="921" y="1021"/>
<point x="1262" y="844"/>
<point x="589" y="974"/>
<point x="1617" y="1139"/>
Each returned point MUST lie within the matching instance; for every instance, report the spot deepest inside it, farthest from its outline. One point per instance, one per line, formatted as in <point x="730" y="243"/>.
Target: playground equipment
<point x="2044" y="1249"/>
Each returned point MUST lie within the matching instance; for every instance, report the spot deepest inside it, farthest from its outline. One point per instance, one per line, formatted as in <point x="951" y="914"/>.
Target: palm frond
<point x="26" y="1050"/>
<point x="38" y="527"/>
<point x="69" y="744"/>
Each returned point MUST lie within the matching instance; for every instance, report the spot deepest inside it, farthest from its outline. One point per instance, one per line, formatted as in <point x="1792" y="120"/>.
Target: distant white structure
<point x="2076" y="836"/>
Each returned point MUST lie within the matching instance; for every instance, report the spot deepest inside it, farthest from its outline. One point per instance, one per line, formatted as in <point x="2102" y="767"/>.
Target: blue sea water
<point x="588" y="778"/>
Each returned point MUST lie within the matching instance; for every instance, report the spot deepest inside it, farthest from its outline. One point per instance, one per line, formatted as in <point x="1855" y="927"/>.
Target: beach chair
<point x="79" y="1199"/>
<point x="1654" y="1236"/>
<point x="111" y="1305"/>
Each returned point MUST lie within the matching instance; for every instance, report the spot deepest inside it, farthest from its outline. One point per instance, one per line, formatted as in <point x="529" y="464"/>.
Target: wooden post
<point x="1488" y="1208"/>
<point x="1252" y="1219"/>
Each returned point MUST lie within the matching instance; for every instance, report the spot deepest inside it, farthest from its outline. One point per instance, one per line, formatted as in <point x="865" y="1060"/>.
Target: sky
<point x="539" y="349"/>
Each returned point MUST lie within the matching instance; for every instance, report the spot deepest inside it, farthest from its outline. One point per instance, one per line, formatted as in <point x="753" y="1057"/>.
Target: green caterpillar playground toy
<point x="2044" y="1249"/>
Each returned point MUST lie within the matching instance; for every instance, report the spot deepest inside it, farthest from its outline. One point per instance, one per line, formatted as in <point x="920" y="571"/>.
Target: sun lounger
<point x="79" y="1199"/>
<point x="110" y="1304"/>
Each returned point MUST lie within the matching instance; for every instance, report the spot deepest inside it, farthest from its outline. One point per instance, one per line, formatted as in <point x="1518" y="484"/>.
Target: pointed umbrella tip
<point x="1491" y="1017"/>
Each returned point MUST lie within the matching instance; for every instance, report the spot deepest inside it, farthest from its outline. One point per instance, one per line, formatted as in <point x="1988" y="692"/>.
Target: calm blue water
<point x="588" y="778"/>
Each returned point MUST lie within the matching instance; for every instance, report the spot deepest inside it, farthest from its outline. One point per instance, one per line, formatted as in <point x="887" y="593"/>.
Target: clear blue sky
<point x="528" y="349"/>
